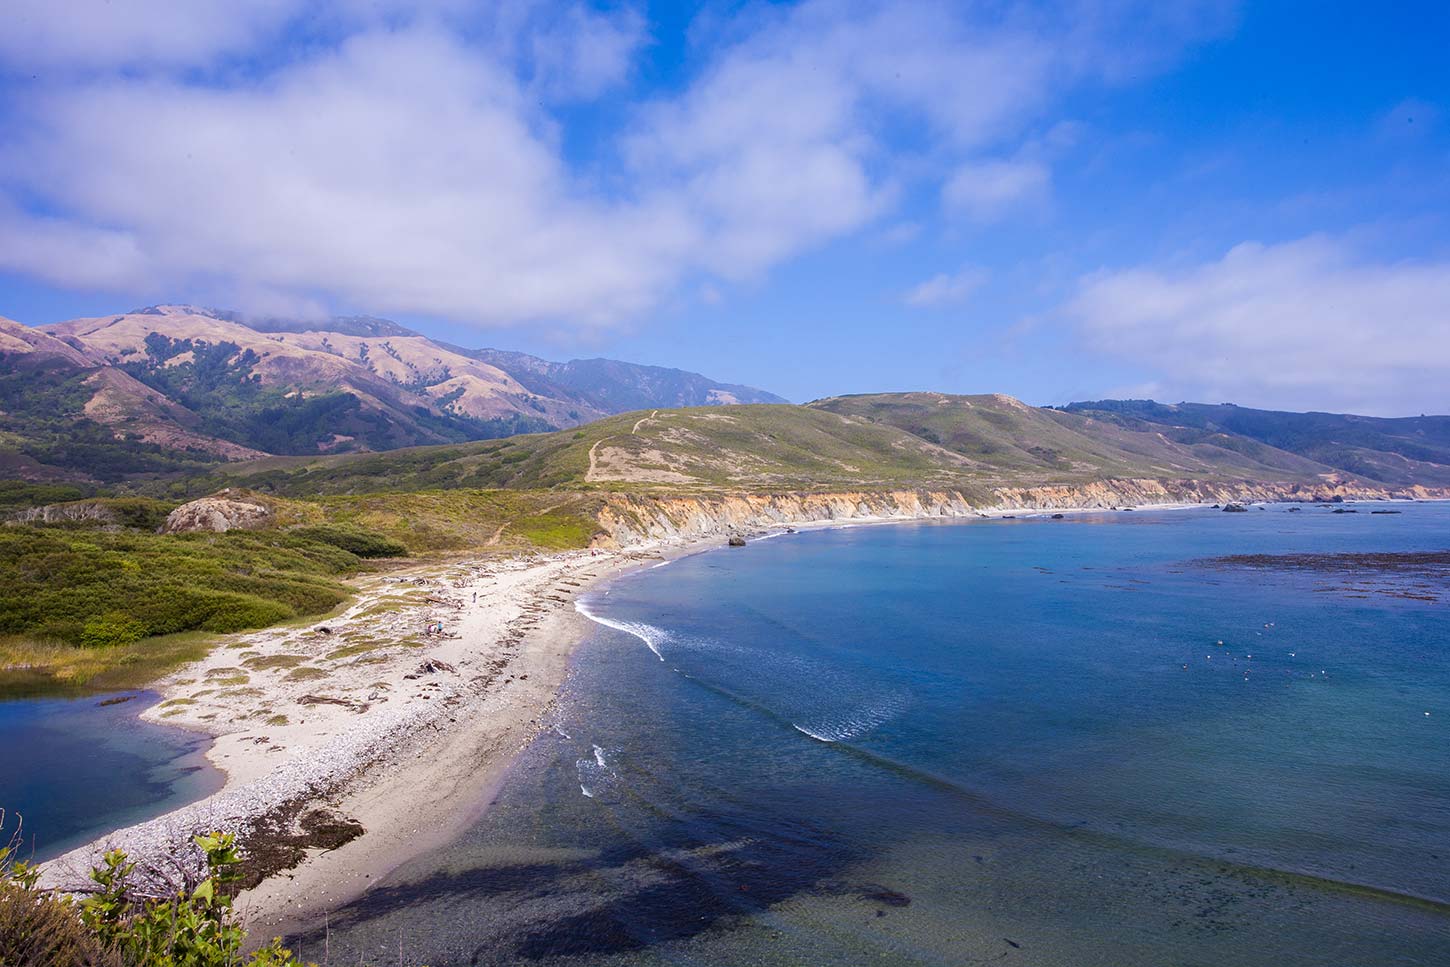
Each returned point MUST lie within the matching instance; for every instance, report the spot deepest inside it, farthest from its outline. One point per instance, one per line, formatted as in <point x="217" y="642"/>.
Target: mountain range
<point x="176" y="387"/>
<point x="190" y="397"/>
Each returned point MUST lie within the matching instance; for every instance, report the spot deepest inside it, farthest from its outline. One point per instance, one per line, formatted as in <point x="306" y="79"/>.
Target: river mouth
<point x="78" y="767"/>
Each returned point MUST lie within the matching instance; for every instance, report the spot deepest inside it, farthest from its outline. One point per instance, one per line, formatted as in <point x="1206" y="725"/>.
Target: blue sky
<point x="1213" y="201"/>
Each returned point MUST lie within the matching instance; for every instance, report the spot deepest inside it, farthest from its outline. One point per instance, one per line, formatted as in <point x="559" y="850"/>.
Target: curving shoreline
<point x="410" y="756"/>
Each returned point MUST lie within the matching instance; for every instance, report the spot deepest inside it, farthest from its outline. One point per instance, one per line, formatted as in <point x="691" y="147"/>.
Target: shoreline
<point x="371" y="738"/>
<point x="423" y="765"/>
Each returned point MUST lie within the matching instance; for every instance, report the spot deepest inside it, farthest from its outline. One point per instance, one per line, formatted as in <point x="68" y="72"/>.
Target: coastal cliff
<point x="627" y="520"/>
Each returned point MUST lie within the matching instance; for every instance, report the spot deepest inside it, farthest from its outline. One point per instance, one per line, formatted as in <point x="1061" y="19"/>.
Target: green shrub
<point x="353" y="540"/>
<point x="242" y="612"/>
<point x="110" y="629"/>
<point x="99" y="589"/>
<point x="195" y="928"/>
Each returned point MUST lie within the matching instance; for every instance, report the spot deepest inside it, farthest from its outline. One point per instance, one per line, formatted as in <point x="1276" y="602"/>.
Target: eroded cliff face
<point x="630" y="520"/>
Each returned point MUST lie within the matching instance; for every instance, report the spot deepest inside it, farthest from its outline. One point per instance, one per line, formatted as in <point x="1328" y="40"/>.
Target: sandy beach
<point x="397" y="715"/>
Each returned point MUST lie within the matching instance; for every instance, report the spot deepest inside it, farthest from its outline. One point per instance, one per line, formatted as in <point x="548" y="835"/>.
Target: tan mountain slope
<point x="131" y="409"/>
<point x="19" y="339"/>
<point x="384" y="371"/>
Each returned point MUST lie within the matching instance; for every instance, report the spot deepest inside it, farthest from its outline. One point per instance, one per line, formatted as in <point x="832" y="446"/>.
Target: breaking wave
<point x="652" y="636"/>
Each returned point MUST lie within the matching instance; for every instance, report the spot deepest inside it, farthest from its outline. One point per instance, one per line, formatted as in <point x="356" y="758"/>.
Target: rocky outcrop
<point x="223" y="511"/>
<point x="628" y="520"/>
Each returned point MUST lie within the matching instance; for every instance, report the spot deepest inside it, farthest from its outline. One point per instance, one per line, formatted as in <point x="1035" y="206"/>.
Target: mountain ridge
<point x="204" y="384"/>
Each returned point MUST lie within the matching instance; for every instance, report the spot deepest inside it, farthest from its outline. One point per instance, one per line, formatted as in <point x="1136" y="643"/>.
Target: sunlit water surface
<point x="1012" y="741"/>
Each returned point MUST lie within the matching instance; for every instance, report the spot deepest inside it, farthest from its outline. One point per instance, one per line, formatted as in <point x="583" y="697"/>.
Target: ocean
<point x="1024" y="741"/>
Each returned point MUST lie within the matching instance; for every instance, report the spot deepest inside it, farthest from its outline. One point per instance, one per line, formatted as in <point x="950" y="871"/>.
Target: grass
<point x="467" y="519"/>
<point x="266" y="662"/>
<point x="30" y="667"/>
<point x="350" y="651"/>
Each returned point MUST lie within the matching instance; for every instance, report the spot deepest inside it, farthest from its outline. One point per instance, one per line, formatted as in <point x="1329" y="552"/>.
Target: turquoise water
<point x="1012" y="741"/>
<point x="75" y="769"/>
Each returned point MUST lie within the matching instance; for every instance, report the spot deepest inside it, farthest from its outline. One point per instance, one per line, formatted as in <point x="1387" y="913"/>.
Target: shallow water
<point x="75" y="769"/>
<point x="1011" y="741"/>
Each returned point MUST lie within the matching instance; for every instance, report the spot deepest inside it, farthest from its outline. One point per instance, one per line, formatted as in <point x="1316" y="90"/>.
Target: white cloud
<point x="946" y="289"/>
<point x="1307" y="324"/>
<point x="95" y="34"/>
<point x="399" y="171"/>
<point x="406" y="158"/>
<point x="987" y="190"/>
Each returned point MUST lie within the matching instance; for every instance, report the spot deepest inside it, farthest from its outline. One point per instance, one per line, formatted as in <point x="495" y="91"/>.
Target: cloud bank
<point x="427" y="159"/>
<point x="1276" y="325"/>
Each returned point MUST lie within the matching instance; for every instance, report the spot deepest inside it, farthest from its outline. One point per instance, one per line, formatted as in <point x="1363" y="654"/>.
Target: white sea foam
<point x="854" y="722"/>
<point x="596" y="776"/>
<point x="819" y="738"/>
<point x="652" y="637"/>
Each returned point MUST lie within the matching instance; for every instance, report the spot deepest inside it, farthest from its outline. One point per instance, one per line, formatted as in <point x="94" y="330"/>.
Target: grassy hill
<point x="858" y="442"/>
<point x="762" y="446"/>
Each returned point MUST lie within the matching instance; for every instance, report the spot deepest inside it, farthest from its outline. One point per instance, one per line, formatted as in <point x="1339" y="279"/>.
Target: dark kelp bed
<point x="1417" y="575"/>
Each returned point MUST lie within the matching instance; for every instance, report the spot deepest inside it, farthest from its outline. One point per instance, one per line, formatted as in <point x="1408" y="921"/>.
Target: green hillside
<point x="763" y="446"/>
<point x="855" y="442"/>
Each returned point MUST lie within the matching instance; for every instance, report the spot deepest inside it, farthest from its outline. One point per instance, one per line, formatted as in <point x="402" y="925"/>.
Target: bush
<point x="99" y="589"/>
<point x="110" y="629"/>
<point x="39" y="930"/>
<point x="116" y="927"/>
<point x="241" y="612"/>
<point x="360" y="542"/>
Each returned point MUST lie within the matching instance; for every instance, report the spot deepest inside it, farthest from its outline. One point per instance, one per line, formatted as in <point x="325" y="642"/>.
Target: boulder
<point x="736" y="541"/>
<point x="221" y="512"/>
<point x="1235" y="509"/>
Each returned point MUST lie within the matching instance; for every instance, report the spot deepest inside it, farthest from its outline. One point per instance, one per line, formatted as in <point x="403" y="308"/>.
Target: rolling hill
<point x="973" y="444"/>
